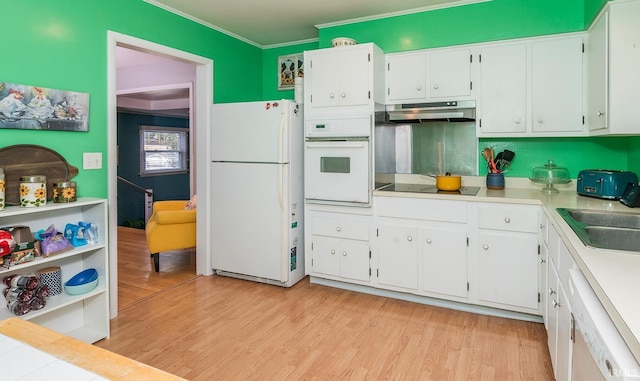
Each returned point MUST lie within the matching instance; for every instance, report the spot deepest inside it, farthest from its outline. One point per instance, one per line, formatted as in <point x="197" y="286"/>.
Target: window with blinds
<point x="163" y="150"/>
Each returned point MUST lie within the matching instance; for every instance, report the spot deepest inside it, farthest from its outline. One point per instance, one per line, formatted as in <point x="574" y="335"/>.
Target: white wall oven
<point x="337" y="161"/>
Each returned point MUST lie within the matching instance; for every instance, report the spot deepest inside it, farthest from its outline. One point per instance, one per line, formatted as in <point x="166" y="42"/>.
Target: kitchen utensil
<point x="486" y="153"/>
<point x="549" y="175"/>
<point x="498" y="161"/>
<point x="448" y="182"/>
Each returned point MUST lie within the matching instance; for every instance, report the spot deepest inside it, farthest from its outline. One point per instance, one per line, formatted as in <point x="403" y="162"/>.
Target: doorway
<point x="200" y="116"/>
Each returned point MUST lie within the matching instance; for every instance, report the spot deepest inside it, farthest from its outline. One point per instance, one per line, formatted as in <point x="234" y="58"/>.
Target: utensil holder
<point x="495" y="181"/>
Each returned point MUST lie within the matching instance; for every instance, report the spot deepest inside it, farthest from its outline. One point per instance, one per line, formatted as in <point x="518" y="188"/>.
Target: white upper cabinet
<point x="343" y="79"/>
<point x="429" y="76"/>
<point x="614" y="79"/>
<point x="532" y="87"/>
<point x="406" y="77"/>
<point x="450" y="73"/>
<point x="503" y="94"/>
<point x="556" y="85"/>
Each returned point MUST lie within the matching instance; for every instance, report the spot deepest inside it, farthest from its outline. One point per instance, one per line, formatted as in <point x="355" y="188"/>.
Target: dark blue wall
<point x="169" y="187"/>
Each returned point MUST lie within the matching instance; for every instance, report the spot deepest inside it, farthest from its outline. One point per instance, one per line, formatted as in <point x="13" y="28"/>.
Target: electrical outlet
<point x="92" y="160"/>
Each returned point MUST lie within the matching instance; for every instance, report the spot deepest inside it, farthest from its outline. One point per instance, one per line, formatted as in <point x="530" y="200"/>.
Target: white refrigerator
<point x="257" y="191"/>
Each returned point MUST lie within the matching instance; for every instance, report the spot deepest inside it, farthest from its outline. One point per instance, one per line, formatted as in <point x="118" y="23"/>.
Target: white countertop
<point x="613" y="275"/>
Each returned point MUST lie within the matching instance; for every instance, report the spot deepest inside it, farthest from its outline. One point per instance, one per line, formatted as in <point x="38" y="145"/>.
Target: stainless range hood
<point x="449" y="111"/>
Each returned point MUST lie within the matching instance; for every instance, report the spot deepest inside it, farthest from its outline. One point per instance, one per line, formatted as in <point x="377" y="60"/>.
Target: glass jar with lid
<point x="64" y="191"/>
<point x="33" y="191"/>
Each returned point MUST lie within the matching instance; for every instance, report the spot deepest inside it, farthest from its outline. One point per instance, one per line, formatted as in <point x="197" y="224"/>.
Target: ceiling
<point x="265" y="23"/>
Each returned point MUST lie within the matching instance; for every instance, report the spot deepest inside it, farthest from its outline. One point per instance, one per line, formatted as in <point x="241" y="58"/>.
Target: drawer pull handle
<point x="409" y="238"/>
<point x="428" y="240"/>
<point x="338" y="229"/>
<point x="507" y="219"/>
<point x="344" y="253"/>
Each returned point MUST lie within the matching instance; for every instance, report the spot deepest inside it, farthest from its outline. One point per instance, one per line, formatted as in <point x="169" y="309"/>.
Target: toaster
<point x="602" y="183"/>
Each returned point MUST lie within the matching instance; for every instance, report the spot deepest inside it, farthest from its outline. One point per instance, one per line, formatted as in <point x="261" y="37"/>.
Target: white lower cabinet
<point x="483" y="254"/>
<point x="339" y="246"/>
<point x="508" y="269"/>
<point x="508" y="256"/>
<point x="558" y="317"/>
<point x="86" y="316"/>
<point x="444" y="260"/>
<point x="398" y="255"/>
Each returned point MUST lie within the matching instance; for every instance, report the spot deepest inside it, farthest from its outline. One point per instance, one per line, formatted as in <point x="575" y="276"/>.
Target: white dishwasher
<point x="599" y="352"/>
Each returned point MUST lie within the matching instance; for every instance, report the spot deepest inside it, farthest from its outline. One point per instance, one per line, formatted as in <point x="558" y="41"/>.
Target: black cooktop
<point x="427" y="188"/>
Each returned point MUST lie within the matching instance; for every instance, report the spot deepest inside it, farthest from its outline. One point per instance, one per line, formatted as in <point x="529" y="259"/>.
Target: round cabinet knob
<point x="409" y="238"/>
<point x="344" y="253"/>
<point x="507" y="219"/>
<point x="428" y="240"/>
<point x="485" y="246"/>
<point x="418" y="87"/>
<point x="435" y="87"/>
<point x="338" y="229"/>
<point x="540" y="121"/>
<point x="343" y="95"/>
<point x="518" y="121"/>
<point x="333" y="251"/>
<point x="331" y="96"/>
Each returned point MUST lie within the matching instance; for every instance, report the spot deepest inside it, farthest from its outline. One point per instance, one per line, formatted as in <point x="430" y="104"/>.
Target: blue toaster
<point x="603" y="183"/>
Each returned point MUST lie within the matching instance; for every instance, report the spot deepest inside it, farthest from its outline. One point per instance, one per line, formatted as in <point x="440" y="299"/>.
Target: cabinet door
<point x="564" y="338"/>
<point x="450" y="73"/>
<point x="508" y="269"/>
<point x="325" y="256"/>
<point x="406" y="77"/>
<point x="325" y="79"/>
<point x="444" y="266"/>
<point x="556" y="85"/>
<point x="596" y="50"/>
<point x="355" y="75"/>
<point x="552" y="316"/>
<point x="354" y="260"/>
<point x="398" y="256"/>
<point x="503" y="76"/>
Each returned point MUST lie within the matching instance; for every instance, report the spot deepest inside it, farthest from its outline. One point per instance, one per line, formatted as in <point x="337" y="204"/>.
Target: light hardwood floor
<point x="217" y="328"/>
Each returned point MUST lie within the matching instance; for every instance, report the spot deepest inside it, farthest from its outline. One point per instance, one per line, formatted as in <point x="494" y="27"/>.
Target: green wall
<point x="64" y="46"/>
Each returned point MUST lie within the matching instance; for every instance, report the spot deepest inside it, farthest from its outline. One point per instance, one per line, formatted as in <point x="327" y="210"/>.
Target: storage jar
<point x="495" y="181"/>
<point x="33" y="191"/>
<point x="64" y="191"/>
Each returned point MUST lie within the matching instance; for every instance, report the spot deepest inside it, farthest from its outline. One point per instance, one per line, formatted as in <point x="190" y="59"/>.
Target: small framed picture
<point x="290" y="67"/>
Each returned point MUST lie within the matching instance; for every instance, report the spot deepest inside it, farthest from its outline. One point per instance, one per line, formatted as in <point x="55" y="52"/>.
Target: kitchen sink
<point x="604" y="230"/>
<point x="610" y="219"/>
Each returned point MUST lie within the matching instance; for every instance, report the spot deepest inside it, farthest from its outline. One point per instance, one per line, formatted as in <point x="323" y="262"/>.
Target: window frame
<point x="183" y="151"/>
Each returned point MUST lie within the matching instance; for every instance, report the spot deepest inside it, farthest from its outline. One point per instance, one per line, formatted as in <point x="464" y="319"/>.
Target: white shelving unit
<point x="84" y="317"/>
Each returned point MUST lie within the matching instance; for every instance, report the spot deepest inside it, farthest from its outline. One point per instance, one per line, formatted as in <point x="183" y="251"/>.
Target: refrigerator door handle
<point x="280" y="138"/>
<point x="283" y="223"/>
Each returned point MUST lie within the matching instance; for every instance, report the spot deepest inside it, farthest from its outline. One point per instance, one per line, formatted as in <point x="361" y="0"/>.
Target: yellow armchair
<point x="170" y="227"/>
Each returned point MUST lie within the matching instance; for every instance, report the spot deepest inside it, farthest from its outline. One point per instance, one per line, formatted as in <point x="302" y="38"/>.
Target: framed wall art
<point x="290" y="67"/>
<point x="38" y="108"/>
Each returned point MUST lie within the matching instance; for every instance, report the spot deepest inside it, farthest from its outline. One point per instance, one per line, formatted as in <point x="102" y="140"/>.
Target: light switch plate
<point x="92" y="160"/>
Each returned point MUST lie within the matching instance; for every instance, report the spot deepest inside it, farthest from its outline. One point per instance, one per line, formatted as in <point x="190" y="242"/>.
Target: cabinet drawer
<point x="515" y="218"/>
<point x="341" y="227"/>
<point x="422" y="209"/>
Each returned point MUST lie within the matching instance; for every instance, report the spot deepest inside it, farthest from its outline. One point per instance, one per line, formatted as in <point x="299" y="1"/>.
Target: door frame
<point x="201" y="112"/>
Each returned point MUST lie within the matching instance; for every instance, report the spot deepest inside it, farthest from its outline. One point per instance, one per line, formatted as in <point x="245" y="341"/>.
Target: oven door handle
<point x="325" y="145"/>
